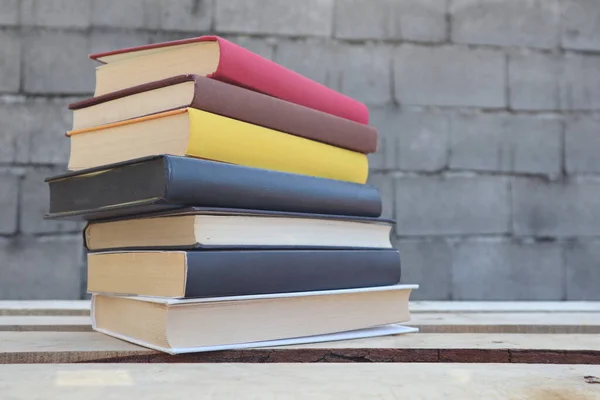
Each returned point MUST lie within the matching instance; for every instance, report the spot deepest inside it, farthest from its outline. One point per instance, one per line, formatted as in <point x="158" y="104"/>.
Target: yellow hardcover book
<point x="196" y="133"/>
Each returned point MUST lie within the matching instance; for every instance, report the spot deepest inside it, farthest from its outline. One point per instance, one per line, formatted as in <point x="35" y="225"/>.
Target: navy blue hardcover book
<point x="166" y="182"/>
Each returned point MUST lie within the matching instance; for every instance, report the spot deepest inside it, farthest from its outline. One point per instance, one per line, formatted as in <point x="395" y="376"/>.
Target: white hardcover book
<point x="384" y="330"/>
<point x="178" y="326"/>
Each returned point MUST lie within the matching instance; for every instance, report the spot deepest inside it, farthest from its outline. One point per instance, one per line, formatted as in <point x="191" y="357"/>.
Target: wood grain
<point x="70" y="347"/>
<point x="503" y="306"/>
<point x="44" y="307"/>
<point x="426" y="322"/>
<point x="46" y="323"/>
<point x="514" y="322"/>
<point x="456" y="332"/>
<point x="294" y="381"/>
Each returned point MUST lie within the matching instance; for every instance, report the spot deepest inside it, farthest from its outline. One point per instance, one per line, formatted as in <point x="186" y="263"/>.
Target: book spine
<point x="145" y="87"/>
<point x="242" y="67"/>
<point x="232" y="273"/>
<point x="202" y="183"/>
<point x="259" y="109"/>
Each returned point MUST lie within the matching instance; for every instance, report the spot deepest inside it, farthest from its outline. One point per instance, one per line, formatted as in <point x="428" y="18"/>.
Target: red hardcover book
<point x="220" y="59"/>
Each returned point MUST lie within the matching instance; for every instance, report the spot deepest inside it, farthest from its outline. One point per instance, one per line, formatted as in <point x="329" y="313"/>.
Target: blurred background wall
<point x="488" y="112"/>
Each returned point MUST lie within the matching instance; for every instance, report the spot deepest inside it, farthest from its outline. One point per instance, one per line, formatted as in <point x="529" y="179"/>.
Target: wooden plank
<point x="504" y="306"/>
<point x="44" y="307"/>
<point x="535" y="322"/>
<point x="68" y="347"/>
<point x="294" y="381"/>
<point x="46" y="323"/>
<point x="426" y="322"/>
<point x="82" y="307"/>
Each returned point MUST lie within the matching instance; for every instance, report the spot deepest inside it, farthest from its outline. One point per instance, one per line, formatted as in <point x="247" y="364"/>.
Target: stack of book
<point x="226" y="203"/>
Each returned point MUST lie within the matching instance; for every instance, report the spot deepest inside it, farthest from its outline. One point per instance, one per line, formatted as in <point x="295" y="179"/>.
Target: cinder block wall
<point x="489" y="114"/>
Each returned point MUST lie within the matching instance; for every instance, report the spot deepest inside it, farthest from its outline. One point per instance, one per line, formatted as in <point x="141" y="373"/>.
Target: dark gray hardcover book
<point x="249" y="272"/>
<point x="229" y="273"/>
<point x="165" y="182"/>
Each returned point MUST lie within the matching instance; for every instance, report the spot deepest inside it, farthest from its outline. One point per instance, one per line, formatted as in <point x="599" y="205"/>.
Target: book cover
<point x="159" y="183"/>
<point x="253" y="107"/>
<point x="376" y="331"/>
<point x="226" y="228"/>
<point x="241" y="67"/>
<point x="285" y="318"/>
<point x="200" y="134"/>
<point x="214" y="273"/>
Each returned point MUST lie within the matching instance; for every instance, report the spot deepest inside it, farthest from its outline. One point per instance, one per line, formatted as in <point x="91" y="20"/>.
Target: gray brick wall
<point x="488" y="113"/>
<point x="415" y="20"/>
<point x="531" y="23"/>
<point x="455" y="76"/>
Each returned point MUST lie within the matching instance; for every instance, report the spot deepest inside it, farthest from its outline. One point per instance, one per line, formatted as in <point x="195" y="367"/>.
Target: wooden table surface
<point x="466" y="350"/>
<point x="299" y="381"/>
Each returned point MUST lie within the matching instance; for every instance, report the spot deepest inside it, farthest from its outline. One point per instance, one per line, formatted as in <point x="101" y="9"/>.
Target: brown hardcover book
<point x="227" y="100"/>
